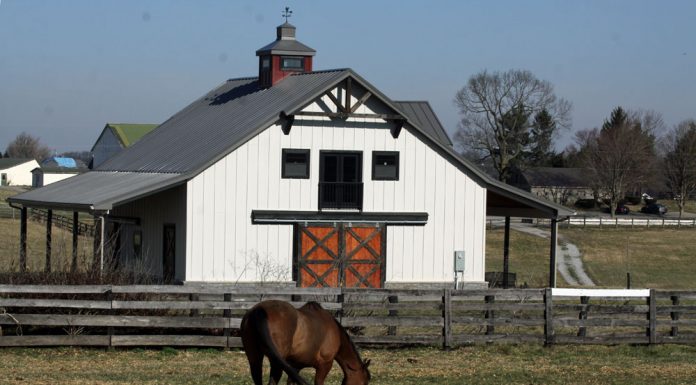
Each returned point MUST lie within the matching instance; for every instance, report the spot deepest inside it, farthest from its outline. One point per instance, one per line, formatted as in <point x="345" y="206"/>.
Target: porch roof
<point x="97" y="190"/>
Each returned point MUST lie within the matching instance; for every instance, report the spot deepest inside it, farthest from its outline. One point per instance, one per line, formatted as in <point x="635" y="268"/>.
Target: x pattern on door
<point x="341" y="256"/>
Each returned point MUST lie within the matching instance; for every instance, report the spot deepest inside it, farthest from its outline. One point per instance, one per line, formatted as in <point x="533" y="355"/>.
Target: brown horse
<point x="293" y="339"/>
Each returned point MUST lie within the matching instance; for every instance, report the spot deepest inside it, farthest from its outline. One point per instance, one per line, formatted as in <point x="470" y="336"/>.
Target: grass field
<point x="657" y="258"/>
<point x="61" y="250"/>
<point x="484" y="365"/>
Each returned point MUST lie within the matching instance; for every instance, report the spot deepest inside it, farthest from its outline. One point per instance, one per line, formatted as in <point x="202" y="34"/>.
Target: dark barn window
<point x="292" y="63"/>
<point x="385" y="165"/>
<point x="295" y="164"/>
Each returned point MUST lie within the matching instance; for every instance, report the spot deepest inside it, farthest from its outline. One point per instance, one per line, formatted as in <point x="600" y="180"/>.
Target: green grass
<point x="503" y="364"/>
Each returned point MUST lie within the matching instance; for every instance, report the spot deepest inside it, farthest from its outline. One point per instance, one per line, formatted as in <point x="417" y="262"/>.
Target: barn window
<point x="292" y="63"/>
<point x="385" y="165"/>
<point x="295" y="163"/>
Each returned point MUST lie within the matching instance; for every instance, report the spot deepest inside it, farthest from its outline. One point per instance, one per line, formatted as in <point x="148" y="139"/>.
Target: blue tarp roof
<point x="65" y="162"/>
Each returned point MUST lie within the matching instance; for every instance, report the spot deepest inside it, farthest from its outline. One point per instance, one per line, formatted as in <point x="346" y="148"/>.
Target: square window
<point x="295" y="163"/>
<point x="385" y="165"/>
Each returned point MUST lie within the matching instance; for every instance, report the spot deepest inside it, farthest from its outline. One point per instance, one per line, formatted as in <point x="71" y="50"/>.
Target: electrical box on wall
<point x="459" y="261"/>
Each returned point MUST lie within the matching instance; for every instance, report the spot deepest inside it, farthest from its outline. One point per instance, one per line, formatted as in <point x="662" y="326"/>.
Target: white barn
<point x="314" y="178"/>
<point x="16" y="171"/>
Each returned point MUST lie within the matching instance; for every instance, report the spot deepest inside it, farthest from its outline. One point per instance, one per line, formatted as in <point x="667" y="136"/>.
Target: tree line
<point x="27" y="146"/>
<point x="510" y="120"/>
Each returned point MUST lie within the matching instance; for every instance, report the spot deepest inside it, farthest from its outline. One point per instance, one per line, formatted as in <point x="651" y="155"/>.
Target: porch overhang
<point x="507" y="201"/>
<point x="97" y="191"/>
<point x="284" y="217"/>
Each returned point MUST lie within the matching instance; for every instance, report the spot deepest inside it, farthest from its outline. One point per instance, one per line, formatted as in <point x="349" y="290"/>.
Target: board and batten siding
<point x="223" y="245"/>
<point x="154" y="211"/>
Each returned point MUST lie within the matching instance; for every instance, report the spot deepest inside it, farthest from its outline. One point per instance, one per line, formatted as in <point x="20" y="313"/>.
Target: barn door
<point x="340" y="256"/>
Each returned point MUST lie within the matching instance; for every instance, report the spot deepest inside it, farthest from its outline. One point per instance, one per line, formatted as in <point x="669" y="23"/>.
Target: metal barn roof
<point x="227" y="117"/>
<point x="94" y="190"/>
<point x="423" y="115"/>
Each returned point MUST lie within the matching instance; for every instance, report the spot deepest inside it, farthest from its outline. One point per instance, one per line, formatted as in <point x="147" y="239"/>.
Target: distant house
<point x="557" y="184"/>
<point x="115" y="137"/>
<point x="54" y="169"/>
<point x="16" y="171"/>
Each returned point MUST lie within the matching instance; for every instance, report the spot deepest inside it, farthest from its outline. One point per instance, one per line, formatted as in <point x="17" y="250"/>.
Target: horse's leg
<point x="322" y="371"/>
<point x="255" y="358"/>
<point x="276" y="373"/>
<point x="290" y="380"/>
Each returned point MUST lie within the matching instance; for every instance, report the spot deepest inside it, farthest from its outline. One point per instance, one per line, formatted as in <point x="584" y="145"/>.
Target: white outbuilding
<point x="16" y="171"/>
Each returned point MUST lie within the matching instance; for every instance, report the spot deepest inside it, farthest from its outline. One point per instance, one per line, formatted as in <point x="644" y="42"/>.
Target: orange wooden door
<point x="318" y="259"/>
<point x="363" y="261"/>
<point x="340" y="256"/>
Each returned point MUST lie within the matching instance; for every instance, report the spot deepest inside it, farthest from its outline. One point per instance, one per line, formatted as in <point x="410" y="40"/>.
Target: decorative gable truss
<point x="349" y="100"/>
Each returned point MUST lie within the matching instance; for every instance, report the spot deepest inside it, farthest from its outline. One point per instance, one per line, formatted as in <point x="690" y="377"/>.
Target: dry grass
<point x="656" y="258"/>
<point x="529" y="257"/>
<point x="525" y="364"/>
<point x="61" y="250"/>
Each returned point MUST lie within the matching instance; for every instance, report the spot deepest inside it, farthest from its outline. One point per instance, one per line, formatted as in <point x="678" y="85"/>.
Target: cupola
<point x="283" y="57"/>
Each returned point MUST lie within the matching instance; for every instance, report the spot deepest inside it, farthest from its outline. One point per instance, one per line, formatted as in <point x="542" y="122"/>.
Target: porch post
<point x="75" y="231"/>
<point x="552" y="263"/>
<point x="101" y="242"/>
<point x="506" y="254"/>
<point x="97" y="243"/>
<point x="23" y="240"/>
<point x="49" y="226"/>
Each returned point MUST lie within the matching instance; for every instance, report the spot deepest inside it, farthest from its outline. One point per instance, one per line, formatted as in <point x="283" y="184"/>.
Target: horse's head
<point x="358" y="374"/>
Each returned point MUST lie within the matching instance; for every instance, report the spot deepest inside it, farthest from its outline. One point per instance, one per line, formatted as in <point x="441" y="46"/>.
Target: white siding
<point x="154" y="211"/>
<point x="49" y="178"/>
<point x="250" y="179"/>
<point x="20" y="175"/>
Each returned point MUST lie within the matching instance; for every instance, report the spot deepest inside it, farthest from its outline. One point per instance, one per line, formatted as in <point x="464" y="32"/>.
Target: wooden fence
<point x="207" y="315"/>
<point x="63" y="222"/>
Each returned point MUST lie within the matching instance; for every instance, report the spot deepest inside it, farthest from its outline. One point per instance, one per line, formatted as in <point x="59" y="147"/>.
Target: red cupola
<point x="283" y="57"/>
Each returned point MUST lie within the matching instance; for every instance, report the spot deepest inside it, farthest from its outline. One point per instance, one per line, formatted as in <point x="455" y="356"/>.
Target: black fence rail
<point x="210" y="315"/>
<point x="62" y="222"/>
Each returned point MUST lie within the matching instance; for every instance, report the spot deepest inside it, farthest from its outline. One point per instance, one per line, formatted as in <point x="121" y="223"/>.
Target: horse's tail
<point x="258" y="320"/>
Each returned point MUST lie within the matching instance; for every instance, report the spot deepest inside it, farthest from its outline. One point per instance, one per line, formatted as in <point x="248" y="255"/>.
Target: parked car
<point x="654" y="208"/>
<point x="621" y="209"/>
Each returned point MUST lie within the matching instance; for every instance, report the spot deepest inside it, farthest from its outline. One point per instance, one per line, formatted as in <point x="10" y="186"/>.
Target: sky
<point x="67" y="67"/>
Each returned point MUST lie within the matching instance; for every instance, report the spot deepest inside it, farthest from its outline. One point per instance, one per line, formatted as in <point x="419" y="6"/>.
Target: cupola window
<point x="292" y="63"/>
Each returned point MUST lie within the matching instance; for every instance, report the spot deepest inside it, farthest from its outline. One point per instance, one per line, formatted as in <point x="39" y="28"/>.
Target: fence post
<point x="490" y="315"/>
<point x="391" y="330"/>
<point x="447" y="319"/>
<point x="340" y="299"/>
<point x="652" y="318"/>
<point x="549" y="334"/>
<point x="109" y="296"/>
<point x="193" y="298"/>
<point x="584" y="301"/>
<point x="674" y="315"/>
<point x="227" y="313"/>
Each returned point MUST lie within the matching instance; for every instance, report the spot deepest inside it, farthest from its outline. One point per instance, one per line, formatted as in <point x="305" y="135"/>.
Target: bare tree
<point x="28" y="147"/>
<point x="621" y="153"/>
<point x="499" y="111"/>
<point x="678" y="149"/>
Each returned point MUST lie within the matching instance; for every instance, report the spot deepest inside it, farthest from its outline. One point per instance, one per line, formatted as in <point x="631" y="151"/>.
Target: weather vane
<point x="286" y="14"/>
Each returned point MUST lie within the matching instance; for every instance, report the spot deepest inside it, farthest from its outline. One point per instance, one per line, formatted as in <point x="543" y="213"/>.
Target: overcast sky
<point x="68" y="67"/>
